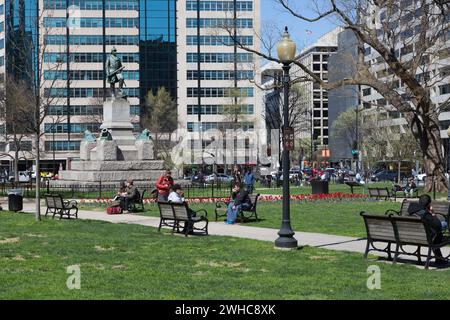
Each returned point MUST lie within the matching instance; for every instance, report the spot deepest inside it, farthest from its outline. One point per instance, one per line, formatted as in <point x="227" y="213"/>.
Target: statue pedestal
<point x="116" y="118"/>
<point x="116" y="157"/>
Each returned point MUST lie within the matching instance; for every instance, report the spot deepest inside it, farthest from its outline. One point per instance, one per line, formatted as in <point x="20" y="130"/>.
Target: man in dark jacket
<point x="424" y="210"/>
<point x="240" y="201"/>
<point x="132" y="195"/>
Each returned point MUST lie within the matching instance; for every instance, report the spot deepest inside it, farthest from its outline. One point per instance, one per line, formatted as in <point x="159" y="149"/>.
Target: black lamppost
<point x="286" y="53"/>
<point x="448" y="163"/>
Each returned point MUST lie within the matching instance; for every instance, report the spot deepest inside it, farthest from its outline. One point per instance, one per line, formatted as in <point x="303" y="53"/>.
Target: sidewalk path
<point x="318" y="240"/>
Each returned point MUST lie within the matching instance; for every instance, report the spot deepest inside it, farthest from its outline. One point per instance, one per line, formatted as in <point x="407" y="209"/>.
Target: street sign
<point x="288" y="138"/>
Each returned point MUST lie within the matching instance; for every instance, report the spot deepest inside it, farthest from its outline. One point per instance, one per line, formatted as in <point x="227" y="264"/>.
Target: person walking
<point x="163" y="185"/>
<point x="249" y="180"/>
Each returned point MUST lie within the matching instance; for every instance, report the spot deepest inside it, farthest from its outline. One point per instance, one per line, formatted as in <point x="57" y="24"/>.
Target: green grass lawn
<point x="121" y="261"/>
<point x="339" y="218"/>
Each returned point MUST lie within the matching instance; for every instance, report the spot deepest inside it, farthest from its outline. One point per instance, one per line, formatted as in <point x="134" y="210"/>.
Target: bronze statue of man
<point x="114" y="75"/>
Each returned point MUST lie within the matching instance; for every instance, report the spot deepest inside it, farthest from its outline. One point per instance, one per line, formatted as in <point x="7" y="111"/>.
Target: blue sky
<point x="272" y="12"/>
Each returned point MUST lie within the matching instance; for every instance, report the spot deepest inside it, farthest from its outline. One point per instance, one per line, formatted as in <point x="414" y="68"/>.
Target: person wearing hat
<point x="177" y="194"/>
<point x="132" y="195"/>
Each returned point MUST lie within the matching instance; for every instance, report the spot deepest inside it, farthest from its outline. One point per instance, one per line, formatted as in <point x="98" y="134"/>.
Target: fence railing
<point x="109" y="190"/>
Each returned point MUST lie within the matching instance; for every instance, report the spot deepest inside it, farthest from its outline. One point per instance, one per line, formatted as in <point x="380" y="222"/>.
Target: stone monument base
<point x="116" y="155"/>
<point x="94" y="172"/>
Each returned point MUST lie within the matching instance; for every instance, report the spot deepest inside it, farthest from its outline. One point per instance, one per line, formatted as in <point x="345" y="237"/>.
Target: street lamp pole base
<point x="286" y="243"/>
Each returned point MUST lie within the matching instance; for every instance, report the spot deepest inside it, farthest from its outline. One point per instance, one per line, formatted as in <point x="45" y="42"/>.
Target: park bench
<point x="380" y="193"/>
<point x="172" y="214"/>
<point x="401" y="231"/>
<point x="57" y="205"/>
<point x="243" y="215"/>
<point x="440" y="208"/>
<point x="398" y="192"/>
<point x="379" y="229"/>
<point x="138" y="205"/>
<point x="353" y="184"/>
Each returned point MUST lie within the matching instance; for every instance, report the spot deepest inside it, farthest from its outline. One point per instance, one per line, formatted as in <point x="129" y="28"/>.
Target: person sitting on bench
<point x="132" y="195"/>
<point x="424" y="210"/>
<point x="410" y="188"/>
<point x="177" y="194"/>
<point x="240" y="201"/>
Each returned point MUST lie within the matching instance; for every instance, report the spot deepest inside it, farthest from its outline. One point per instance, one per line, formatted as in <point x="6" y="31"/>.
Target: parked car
<point x="422" y="176"/>
<point x="218" y="178"/>
<point x="384" y="176"/>
<point x="24" y="176"/>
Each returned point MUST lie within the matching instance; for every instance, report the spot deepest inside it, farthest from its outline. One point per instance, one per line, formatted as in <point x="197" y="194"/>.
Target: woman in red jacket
<point x="164" y="184"/>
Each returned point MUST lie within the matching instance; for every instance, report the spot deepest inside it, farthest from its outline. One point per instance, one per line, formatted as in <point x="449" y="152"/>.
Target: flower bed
<point x="338" y="196"/>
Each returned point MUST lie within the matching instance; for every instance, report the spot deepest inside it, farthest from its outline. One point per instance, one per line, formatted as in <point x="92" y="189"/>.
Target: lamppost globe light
<point x="286" y="48"/>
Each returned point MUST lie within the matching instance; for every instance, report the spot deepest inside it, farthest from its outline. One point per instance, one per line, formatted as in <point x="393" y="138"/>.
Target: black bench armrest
<point x="71" y="203"/>
<point x="202" y="210"/>
<point x="220" y="203"/>
<point x="390" y="211"/>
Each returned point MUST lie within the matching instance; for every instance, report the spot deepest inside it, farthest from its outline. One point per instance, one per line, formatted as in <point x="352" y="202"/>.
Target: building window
<point x="219" y="92"/>
<point x="219" y="5"/>
<point x="219" y="57"/>
<point x="219" y="40"/>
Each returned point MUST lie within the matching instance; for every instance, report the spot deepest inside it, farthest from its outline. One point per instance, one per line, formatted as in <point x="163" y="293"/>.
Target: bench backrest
<point x="378" y="227"/>
<point x="59" y="202"/>
<point x="383" y="192"/>
<point x="411" y="230"/>
<point x="405" y="206"/>
<point x="49" y="201"/>
<point x="373" y="192"/>
<point x="181" y="211"/>
<point x="441" y="207"/>
<point x="165" y="210"/>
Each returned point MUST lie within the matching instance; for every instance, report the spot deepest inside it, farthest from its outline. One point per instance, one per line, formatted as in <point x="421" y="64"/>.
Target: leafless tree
<point x="393" y="29"/>
<point x="37" y="93"/>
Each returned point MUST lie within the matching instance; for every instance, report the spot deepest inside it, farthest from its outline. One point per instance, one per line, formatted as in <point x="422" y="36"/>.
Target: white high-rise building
<point x="315" y="58"/>
<point x="225" y="71"/>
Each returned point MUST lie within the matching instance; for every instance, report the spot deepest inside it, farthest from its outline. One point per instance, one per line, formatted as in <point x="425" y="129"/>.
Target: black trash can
<point x="319" y="187"/>
<point x="15" y="200"/>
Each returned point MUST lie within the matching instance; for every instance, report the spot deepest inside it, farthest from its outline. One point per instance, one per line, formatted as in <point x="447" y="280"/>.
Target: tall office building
<point x="158" y="43"/>
<point x="68" y="42"/>
<point x="315" y="58"/>
<point x="213" y="73"/>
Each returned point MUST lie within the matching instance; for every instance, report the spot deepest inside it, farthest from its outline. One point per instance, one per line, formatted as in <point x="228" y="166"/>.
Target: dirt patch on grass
<point x="10" y="240"/>
<point x="218" y="264"/>
<point x="18" y="258"/>
<point x="100" y="248"/>
<point x="33" y="235"/>
<point x="119" y="266"/>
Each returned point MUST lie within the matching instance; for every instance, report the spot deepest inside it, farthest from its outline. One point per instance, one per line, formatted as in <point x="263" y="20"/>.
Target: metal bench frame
<point x="221" y="209"/>
<point x="57" y="205"/>
<point x="180" y="212"/>
<point x="405" y="231"/>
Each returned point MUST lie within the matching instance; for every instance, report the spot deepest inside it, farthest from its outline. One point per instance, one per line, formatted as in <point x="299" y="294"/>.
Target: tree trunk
<point x="431" y="145"/>
<point x="38" y="180"/>
<point x="398" y="172"/>
<point x="16" y="166"/>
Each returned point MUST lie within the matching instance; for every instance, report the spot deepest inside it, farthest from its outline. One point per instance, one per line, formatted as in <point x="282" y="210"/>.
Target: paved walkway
<point x="318" y="240"/>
